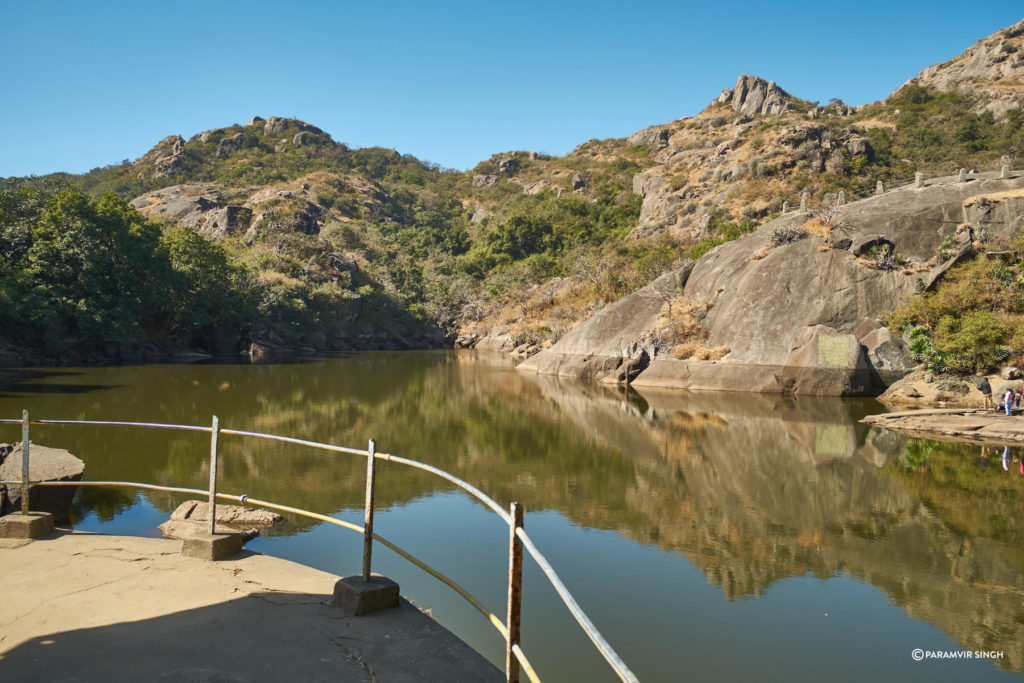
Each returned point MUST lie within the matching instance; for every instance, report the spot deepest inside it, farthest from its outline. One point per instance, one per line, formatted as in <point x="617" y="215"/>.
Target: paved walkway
<point x="89" y="607"/>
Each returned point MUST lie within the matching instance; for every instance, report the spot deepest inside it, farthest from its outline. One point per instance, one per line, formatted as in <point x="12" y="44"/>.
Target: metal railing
<point x="515" y="659"/>
<point x="882" y="186"/>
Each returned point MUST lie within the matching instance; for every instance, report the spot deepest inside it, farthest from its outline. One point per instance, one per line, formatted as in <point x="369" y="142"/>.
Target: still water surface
<point x="710" y="536"/>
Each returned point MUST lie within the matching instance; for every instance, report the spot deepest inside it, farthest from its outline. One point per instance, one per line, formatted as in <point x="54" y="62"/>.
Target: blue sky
<point x="87" y="84"/>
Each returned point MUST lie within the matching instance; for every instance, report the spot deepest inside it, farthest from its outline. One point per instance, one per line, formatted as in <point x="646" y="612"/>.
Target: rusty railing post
<point x="214" y="433"/>
<point x="371" y="475"/>
<point x="515" y="593"/>
<point x="24" y="462"/>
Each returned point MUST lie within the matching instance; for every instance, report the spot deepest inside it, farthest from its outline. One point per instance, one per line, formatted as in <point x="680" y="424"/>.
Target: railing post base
<point x="355" y="597"/>
<point x="213" y="547"/>
<point x="26" y="525"/>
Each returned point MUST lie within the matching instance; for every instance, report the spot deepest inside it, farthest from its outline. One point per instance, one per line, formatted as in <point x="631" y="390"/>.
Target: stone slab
<point x="213" y="547"/>
<point x="45" y="464"/>
<point x="966" y="425"/>
<point x="31" y="525"/>
<point x="356" y="597"/>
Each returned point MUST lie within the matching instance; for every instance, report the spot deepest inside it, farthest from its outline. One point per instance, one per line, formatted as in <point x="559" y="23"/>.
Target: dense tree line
<point x="77" y="267"/>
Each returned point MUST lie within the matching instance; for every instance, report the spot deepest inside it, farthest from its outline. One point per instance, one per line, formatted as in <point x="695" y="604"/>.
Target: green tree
<point x="207" y="288"/>
<point x="92" y="269"/>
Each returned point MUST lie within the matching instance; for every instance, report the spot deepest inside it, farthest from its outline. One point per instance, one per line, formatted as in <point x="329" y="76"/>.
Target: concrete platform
<point x="89" y="607"/>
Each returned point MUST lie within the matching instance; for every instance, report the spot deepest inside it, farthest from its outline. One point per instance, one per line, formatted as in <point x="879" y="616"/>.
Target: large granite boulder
<point x="612" y="337"/>
<point x="193" y="517"/>
<point x="44" y="464"/>
<point x="887" y="354"/>
<point x="228" y="146"/>
<point x="278" y="124"/>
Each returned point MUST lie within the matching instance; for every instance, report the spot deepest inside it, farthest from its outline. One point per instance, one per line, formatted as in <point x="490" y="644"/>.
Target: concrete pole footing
<point x="213" y="546"/>
<point x="26" y="525"/>
<point x="355" y="597"/>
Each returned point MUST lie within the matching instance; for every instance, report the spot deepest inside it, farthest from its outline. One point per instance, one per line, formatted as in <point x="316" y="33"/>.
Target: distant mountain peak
<point x="754" y="95"/>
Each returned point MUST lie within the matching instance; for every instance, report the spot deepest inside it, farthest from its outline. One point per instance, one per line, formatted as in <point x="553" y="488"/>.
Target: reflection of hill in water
<point x="750" y="488"/>
<point x="757" y="488"/>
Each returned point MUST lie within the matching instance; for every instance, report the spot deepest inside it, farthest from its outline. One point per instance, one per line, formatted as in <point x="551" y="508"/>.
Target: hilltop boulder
<point x="278" y="124"/>
<point x="752" y="95"/>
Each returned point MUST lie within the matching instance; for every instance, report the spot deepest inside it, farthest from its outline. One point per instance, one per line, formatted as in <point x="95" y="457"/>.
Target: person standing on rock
<point x="986" y="391"/>
<point x="1008" y="401"/>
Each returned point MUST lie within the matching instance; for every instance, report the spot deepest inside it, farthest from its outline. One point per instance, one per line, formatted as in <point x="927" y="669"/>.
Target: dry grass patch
<point x="694" y="350"/>
<point x="813" y="226"/>
<point x="677" y="327"/>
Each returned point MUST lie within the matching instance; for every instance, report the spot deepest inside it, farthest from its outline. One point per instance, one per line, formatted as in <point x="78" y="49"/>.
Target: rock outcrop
<point x="615" y="336"/>
<point x="45" y="464"/>
<point x="760" y="298"/>
<point x="753" y="95"/>
<point x="192" y="517"/>
<point x="292" y="208"/>
<point x="196" y="205"/>
<point x="992" y="70"/>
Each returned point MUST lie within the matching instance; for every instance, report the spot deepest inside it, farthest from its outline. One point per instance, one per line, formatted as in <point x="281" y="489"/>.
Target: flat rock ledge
<point x="963" y="425"/>
<point x="192" y="517"/>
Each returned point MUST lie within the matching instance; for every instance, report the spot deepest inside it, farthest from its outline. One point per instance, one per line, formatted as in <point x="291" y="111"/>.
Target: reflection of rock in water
<point x="756" y="488"/>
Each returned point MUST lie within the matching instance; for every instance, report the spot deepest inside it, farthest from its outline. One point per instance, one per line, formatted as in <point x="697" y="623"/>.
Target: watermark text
<point x="919" y="654"/>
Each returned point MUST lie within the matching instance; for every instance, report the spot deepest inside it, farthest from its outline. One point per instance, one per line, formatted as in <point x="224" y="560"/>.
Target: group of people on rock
<point x="1011" y="398"/>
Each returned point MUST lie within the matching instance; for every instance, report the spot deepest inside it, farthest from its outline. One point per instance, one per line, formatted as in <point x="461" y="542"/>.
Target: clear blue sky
<point x="87" y="84"/>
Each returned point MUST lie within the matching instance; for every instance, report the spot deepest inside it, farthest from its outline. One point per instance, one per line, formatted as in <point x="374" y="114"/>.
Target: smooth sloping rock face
<point x="611" y="337"/>
<point x="45" y="464"/>
<point x="760" y="297"/>
<point x="824" y="362"/>
<point x="760" y="306"/>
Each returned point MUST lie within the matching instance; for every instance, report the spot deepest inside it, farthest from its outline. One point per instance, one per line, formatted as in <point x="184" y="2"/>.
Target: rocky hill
<point x="991" y="71"/>
<point x="342" y="248"/>
<point x="793" y="307"/>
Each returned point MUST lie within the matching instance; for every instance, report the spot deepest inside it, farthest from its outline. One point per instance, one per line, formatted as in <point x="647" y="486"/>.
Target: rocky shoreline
<point x="985" y="426"/>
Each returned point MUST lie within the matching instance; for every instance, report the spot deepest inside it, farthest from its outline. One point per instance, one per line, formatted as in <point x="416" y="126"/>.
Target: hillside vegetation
<point x="273" y="231"/>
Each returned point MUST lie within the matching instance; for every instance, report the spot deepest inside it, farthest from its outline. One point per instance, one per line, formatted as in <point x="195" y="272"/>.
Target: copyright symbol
<point x="917" y="654"/>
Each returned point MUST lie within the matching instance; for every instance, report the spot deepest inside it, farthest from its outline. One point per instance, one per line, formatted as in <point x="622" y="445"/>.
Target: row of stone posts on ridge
<point x="962" y="177"/>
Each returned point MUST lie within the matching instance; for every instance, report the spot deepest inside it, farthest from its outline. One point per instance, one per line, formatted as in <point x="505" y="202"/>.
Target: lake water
<point x="710" y="536"/>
